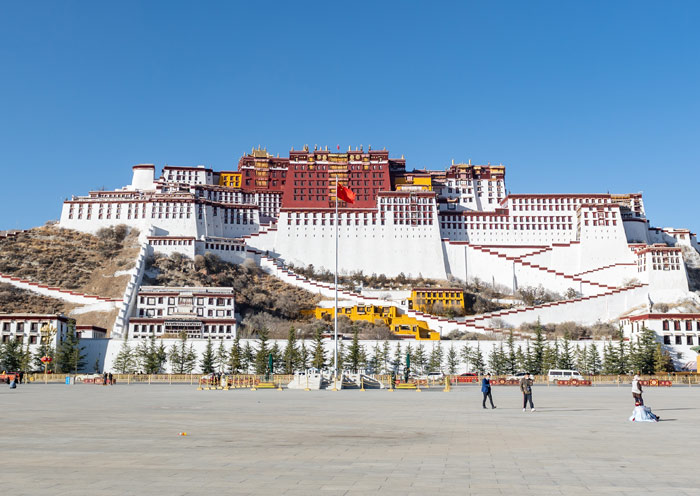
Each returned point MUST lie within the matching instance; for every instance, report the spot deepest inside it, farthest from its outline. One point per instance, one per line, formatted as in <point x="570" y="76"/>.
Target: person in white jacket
<point x="637" y="390"/>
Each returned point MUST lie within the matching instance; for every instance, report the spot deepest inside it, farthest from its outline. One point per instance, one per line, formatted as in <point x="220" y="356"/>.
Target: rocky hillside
<point x="72" y="260"/>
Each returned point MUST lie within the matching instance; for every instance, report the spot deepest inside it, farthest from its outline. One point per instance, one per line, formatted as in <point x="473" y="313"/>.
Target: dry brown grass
<point x="15" y="300"/>
<point x="70" y="259"/>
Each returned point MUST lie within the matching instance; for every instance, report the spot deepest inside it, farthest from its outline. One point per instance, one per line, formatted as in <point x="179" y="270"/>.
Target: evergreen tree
<point x="520" y="359"/>
<point x="385" y="358"/>
<point x="538" y="350"/>
<point x="452" y="360"/>
<point x="376" y="359"/>
<point x="531" y="362"/>
<point x="318" y="360"/>
<point x="565" y="360"/>
<point x="396" y="363"/>
<point x="466" y="353"/>
<point x="550" y="358"/>
<point x="207" y="364"/>
<point x="69" y="356"/>
<point x="125" y="361"/>
<point x="235" y="357"/>
<point x="511" y="357"/>
<point x="478" y="360"/>
<point x="341" y="355"/>
<point x="11" y="356"/>
<point x="221" y="358"/>
<point x="277" y="358"/>
<point x="646" y="352"/>
<point x="353" y="360"/>
<point x="182" y="358"/>
<point x="291" y="353"/>
<point x="26" y="360"/>
<point x="498" y="360"/>
<point x="623" y="364"/>
<point x="262" y="353"/>
<point x="611" y="363"/>
<point x="420" y="358"/>
<point x="45" y="349"/>
<point x="436" y="356"/>
<point x="303" y="363"/>
<point x="593" y="362"/>
<point x="248" y="356"/>
<point x="662" y="360"/>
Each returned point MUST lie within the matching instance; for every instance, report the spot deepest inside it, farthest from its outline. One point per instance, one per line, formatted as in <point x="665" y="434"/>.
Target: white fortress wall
<point x="371" y="248"/>
<point x="636" y="230"/>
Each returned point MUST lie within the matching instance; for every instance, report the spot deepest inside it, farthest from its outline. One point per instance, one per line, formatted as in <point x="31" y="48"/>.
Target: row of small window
<point x="566" y="201"/>
<point x="158" y="312"/>
<point x="19" y="338"/>
<point x="19" y="326"/>
<point x="224" y="247"/>
<point x="521" y="227"/>
<point x="677" y="325"/>
<point x="206" y="329"/>
<point x="601" y="223"/>
<point x="401" y="200"/>
<point x="171" y="242"/>
<point x="538" y="207"/>
<point x="679" y="340"/>
<point x="184" y="300"/>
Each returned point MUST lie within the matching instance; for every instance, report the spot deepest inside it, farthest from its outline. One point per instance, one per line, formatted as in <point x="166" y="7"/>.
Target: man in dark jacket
<point x="526" y="389"/>
<point x="486" y="389"/>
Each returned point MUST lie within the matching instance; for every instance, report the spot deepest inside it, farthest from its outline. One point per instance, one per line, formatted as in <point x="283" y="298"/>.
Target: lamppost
<point x="47" y="333"/>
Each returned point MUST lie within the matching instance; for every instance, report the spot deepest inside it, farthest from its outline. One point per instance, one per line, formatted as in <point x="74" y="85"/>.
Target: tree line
<point x="537" y="356"/>
<point x="66" y="357"/>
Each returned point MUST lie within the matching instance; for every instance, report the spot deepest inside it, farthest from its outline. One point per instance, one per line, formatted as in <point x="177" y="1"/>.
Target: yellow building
<point x="401" y="325"/>
<point x="424" y="299"/>
<point x="413" y="182"/>
<point x="230" y="179"/>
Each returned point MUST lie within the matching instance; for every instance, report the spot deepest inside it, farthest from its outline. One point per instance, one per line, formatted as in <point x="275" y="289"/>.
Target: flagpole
<point x="335" y="331"/>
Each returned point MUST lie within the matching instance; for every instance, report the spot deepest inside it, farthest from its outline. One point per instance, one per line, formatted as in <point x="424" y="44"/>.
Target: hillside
<point x="15" y="300"/>
<point x="72" y="260"/>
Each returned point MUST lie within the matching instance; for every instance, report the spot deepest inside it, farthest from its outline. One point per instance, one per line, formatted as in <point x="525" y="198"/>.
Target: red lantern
<point x="46" y="359"/>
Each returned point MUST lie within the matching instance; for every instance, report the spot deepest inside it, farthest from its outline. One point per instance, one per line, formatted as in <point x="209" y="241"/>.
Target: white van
<point x="563" y="375"/>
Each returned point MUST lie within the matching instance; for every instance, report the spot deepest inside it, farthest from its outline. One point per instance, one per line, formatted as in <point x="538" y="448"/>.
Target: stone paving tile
<point x="124" y="441"/>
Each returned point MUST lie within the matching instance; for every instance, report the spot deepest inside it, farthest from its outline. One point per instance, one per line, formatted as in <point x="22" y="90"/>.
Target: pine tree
<point x="623" y="364"/>
<point x="420" y="358"/>
<point x="235" y="357"/>
<point x="593" y="362"/>
<point x="511" y="357"/>
<point x="646" y="351"/>
<point x="69" y="356"/>
<point x="207" y="364"/>
<point x="353" y="360"/>
<point x="376" y="359"/>
<point x="478" y="360"/>
<point x="385" y="357"/>
<point x="318" y="360"/>
<point x="466" y="353"/>
<point x="565" y="360"/>
<point x="436" y="356"/>
<point x="303" y="363"/>
<point x="125" y="361"/>
<point x="530" y="359"/>
<point x="550" y="358"/>
<point x="520" y="359"/>
<point x="396" y="363"/>
<point x="341" y="354"/>
<point x="662" y="360"/>
<point x="11" y="355"/>
<point x="291" y="353"/>
<point x="452" y="360"/>
<point x="262" y="353"/>
<point x="611" y="362"/>
<point x="538" y="350"/>
<point x="190" y="360"/>
<point x="221" y="358"/>
<point x="248" y="356"/>
<point x="277" y="358"/>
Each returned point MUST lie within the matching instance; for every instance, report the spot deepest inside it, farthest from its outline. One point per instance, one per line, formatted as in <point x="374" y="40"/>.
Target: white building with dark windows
<point x="27" y="327"/>
<point x="198" y="312"/>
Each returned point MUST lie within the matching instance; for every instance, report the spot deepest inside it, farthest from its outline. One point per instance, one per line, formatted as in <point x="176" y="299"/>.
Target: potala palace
<point x="461" y="223"/>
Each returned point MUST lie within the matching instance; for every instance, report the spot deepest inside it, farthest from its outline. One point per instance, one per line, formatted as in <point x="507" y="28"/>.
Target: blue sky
<point x="572" y="96"/>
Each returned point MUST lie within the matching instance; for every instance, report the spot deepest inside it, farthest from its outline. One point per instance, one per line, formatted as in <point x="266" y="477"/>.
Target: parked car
<point x="555" y="375"/>
<point x="434" y="376"/>
<point x="516" y="377"/>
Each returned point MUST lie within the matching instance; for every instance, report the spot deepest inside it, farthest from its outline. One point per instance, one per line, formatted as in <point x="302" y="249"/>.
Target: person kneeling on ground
<point x="642" y="413"/>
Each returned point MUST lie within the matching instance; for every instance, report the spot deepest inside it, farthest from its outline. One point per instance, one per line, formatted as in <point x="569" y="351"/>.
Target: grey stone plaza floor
<point x="120" y="440"/>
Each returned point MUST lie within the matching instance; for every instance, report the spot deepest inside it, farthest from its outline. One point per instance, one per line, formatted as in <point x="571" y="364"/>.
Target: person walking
<point x="111" y="379"/>
<point x="486" y="389"/>
<point x="637" y="390"/>
<point x="526" y="389"/>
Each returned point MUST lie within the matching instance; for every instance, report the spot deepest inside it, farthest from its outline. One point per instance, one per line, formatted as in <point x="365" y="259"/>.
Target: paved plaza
<point x="121" y="440"/>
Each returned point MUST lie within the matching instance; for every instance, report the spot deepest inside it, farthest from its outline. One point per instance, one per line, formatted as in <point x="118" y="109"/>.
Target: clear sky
<point x="574" y="97"/>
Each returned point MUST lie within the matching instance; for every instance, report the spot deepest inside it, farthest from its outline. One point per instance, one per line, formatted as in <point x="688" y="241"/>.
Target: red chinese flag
<point x="345" y="194"/>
